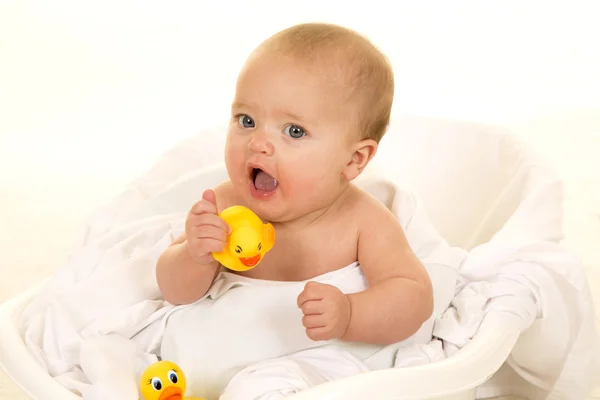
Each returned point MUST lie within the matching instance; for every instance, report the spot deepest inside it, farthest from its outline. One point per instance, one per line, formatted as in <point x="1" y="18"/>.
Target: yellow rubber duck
<point x="164" y="380"/>
<point x="250" y="239"/>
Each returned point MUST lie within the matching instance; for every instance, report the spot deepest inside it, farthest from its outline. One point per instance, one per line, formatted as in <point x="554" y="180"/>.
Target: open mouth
<point x="262" y="182"/>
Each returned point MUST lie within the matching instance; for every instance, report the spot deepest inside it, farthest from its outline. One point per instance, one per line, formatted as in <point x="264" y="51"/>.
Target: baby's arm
<point x="186" y="269"/>
<point x="181" y="279"/>
<point x="400" y="297"/>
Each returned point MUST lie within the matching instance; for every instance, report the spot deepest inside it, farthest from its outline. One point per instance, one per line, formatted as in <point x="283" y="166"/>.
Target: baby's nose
<point x="261" y="142"/>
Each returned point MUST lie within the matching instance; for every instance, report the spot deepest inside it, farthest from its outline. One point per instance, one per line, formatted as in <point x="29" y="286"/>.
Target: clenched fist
<point x="205" y="231"/>
<point x="326" y="311"/>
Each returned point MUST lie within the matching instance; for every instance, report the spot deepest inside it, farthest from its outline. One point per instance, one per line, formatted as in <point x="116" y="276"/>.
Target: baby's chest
<point x="302" y="257"/>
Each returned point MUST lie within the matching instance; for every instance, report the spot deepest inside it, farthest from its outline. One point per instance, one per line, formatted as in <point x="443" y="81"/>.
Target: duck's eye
<point x="259" y="246"/>
<point x="238" y="249"/>
<point x="173" y="376"/>
<point x="156" y="383"/>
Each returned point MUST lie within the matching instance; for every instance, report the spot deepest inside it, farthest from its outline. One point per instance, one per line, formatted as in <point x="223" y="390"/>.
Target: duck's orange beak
<point x="250" y="261"/>
<point x="171" y="393"/>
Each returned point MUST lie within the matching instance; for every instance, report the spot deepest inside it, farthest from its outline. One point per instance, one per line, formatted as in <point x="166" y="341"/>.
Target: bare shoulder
<point x="370" y="212"/>
<point x="383" y="249"/>
<point x="226" y="196"/>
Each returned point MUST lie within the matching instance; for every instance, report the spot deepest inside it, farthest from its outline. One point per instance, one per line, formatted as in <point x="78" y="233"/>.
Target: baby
<point x="311" y="105"/>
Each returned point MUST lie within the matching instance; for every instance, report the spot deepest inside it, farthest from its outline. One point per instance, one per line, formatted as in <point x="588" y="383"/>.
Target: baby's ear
<point x="362" y="153"/>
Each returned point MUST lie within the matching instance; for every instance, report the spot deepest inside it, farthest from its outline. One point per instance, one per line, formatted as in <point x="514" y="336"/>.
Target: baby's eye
<point x="246" y="121"/>
<point x="294" y="131"/>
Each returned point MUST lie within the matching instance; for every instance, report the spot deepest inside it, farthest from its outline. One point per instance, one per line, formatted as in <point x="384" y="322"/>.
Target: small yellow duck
<point x="250" y="239"/>
<point x="164" y="380"/>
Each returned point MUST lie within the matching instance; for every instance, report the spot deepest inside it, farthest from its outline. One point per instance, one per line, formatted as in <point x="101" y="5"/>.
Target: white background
<point x="92" y="92"/>
<point x="105" y="86"/>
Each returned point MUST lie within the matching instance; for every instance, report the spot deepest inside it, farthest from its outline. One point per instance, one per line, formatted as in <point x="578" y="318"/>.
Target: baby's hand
<point x="205" y="231"/>
<point x="326" y="311"/>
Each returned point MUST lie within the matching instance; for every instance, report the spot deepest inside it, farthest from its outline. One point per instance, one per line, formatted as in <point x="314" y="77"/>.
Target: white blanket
<point x="104" y="304"/>
<point x="79" y="325"/>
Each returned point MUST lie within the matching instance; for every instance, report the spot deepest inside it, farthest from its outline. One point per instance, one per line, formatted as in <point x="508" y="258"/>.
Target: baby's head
<point x="311" y="104"/>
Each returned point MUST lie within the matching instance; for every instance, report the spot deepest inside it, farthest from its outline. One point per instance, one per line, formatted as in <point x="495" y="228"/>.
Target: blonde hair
<point x="365" y="71"/>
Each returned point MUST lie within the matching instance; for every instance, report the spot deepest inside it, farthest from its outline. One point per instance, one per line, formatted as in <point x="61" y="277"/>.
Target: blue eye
<point x="294" y="131"/>
<point x="246" y="121"/>
<point x="156" y="383"/>
<point x="173" y="376"/>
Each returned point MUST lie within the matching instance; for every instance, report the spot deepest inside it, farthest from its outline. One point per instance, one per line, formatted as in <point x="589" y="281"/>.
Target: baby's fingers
<point x="319" y="333"/>
<point x="313" y="321"/>
<point x="196" y="221"/>
<point x="208" y="232"/>
<point x="314" y="307"/>
<point x="203" y="207"/>
<point x="312" y="291"/>
<point x="210" y="196"/>
<point x="206" y="246"/>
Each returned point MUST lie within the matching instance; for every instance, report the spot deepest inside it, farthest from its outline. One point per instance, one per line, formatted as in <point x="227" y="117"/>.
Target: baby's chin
<point x="268" y="211"/>
<point x="277" y="212"/>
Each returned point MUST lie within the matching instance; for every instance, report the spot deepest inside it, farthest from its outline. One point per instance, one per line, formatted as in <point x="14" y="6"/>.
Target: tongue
<point x="265" y="182"/>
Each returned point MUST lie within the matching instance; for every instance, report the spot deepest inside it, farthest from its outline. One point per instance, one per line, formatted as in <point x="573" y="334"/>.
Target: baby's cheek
<point x="235" y="163"/>
<point x="306" y="174"/>
<point x="312" y="184"/>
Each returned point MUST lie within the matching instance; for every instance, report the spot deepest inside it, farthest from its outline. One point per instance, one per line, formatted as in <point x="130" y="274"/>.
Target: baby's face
<point x="288" y="140"/>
